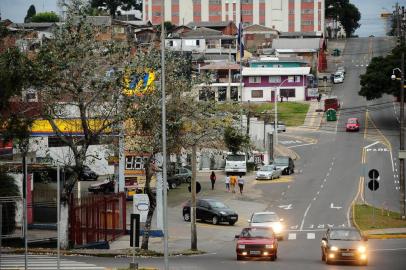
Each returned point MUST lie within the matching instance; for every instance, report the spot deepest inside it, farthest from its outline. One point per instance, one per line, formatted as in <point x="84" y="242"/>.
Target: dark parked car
<point x="344" y="244"/>
<point x="173" y="182"/>
<point x="211" y="210"/>
<point x="88" y="174"/>
<point x="107" y="186"/>
<point x="284" y="163"/>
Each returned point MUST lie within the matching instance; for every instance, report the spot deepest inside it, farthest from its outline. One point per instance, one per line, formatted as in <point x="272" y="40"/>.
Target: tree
<point x="346" y="13"/>
<point x="113" y="5"/>
<point x="377" y="79"/>
<point x="30" y="13"/>
<point x="45" y="17"/>
<point x="234" y="139"/>
<point x="81" y="80"/>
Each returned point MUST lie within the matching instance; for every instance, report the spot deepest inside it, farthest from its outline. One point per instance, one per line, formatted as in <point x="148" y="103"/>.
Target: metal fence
<point x="97" y="218"/>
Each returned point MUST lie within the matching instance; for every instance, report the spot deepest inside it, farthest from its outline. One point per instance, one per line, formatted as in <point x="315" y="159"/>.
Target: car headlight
<point x="362" y="249"/>
<point x="223" y="213"/>
<point x="277" y="227"/>
<point x="268" y="246"/>
<point x="241" y="246"/>
<point x="333" y="248"/>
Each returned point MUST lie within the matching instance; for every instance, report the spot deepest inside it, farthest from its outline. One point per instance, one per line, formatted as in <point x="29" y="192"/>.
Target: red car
<point x="257" y="242"/>
<point x="352" y="124"/>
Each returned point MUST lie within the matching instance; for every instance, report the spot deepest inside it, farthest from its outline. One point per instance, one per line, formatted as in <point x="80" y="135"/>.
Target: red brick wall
<point x="307" y="17"/>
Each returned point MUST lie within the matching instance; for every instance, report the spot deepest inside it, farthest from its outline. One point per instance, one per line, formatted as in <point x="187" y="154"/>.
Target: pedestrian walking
<point x="212" y="179"/>
<point x="233" y="181"/>
<point x="241" y="183"/>
<point x="227" y="183"/>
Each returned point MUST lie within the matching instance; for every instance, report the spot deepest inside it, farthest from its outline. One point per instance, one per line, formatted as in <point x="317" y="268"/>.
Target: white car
<point x="338" y="77"/>
<point x="268" y="220"/>
<point x="268" y="172"/>
<point x="341" y="69"/>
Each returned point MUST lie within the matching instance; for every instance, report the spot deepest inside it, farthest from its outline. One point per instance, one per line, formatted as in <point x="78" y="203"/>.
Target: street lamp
<point x="275" y="127"/>
<point x="401" y="136"/>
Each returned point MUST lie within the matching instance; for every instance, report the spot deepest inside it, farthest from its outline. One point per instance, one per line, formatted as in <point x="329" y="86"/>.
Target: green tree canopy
<point x="113" y="5"/>
<point x="30" y="13"/>
<point x="377" y="79"/>
<point x="347" y="13"/>
<point x="235" y="140"/>
<point x="45" y="17"/>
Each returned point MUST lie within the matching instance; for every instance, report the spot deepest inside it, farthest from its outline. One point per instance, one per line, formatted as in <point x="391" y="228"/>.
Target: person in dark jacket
<point x="212" y="179"/>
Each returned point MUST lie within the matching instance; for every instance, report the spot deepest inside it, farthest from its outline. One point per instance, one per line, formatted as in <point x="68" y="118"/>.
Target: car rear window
<point x="256" y="233"/>
<point x="259" y="218"/>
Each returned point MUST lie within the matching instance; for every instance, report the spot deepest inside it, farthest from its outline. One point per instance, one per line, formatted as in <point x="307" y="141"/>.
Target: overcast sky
<point x="15" y="10"/>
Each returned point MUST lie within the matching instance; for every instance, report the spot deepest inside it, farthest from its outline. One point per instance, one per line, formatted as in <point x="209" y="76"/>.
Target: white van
<point x="236" y="164"/>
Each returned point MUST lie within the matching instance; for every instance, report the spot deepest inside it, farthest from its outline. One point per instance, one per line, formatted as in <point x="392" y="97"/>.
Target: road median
<point x="378" y="223"/>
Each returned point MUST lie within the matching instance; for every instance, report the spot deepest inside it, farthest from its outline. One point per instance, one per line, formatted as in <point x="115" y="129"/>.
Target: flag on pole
<point x="240" y="40"/>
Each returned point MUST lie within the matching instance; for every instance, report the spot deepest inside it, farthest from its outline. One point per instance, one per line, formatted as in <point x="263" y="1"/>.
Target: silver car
<point x="268" y="220"/>
<point x="268" y="172"/>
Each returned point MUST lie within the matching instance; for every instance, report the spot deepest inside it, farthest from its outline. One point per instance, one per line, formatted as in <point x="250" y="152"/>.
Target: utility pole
<point x="402" y="113"/>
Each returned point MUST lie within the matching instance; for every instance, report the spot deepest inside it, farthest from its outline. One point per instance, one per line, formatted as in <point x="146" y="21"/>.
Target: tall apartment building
<point x="283" y="15"/>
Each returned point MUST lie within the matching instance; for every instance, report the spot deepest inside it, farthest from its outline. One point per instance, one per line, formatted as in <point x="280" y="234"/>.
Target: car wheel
<point x="239" y="258"/>
<point x="186" y="217"/>
<point x="215" y="220"/>
<point x="173" y="185"/>
<point x="231" y="223"/>
<point x="189" y="179"/>
<point x="272" y="257"/>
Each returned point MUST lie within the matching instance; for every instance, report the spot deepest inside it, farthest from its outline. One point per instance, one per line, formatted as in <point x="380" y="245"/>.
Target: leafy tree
<point x="45" y="17"/>
<point x="8" y="188"/>
<point x="168" y="26"/>
<point x="377" y="79"/>
<point x="234" y="139"/>
<point x="113" y="5"/>
<point x="30" y="13"/>
<point x="347" y="13"/>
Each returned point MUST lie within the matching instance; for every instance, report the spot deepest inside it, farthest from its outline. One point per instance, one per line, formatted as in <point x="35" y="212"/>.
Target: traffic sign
<point x="373" y="174"/>
<point x="198" y="187"/>
<point x="373" y="185"/>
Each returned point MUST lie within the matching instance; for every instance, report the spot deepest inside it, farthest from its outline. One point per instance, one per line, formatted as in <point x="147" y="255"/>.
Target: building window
<point x="287" y="93"/>
<point x="134" y="163"/>
<point x="291" y="12"/>
<point x="234" y="93"/>
<point x="197" y="13"/>
<point x="307" y="1"/>
<point x="274" y="79"/>
<point x="297" y="78"/>
<point x="214" y="2"/>
<point x="222" y="93"/>
<point x="257" y="93"/>
<point x="291" y="79"/>
<point x="246" y="12"/>
<point x="157" y="14"/>
<point x="170" y="43"/>
<point x="307" y="22"/>
<point x="307" y="11"/>
<point x="206" y="94"/>
<point x="256" y="79"/>
<point x="277" y="65"/>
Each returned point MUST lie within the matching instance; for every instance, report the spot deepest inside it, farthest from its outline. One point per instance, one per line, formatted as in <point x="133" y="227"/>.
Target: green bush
<point x="45" y="17"/>
<point x="8" y="188"/>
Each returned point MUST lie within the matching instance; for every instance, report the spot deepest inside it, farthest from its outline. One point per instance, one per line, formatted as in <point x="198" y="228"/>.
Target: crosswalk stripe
<point x="311" y="236"/>
<point x="292" y="236"/>
<point x="41" y="262"/>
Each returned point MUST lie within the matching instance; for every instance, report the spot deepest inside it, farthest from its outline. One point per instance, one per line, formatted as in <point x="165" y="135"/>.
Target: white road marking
<point x="391" y="159"/>
<point x="324" y="180"/>
<point x="387" y="249"/>
<point x="286" y="207"/>
<point x="369" y="145"/>
<point x="322" y="186"/>
<point x="328" y="174"/>
<point x="311" y="236"/>
<point x="320" y="226"/>
<point x="318" y="192"/>
<point x="335" y="207"/>
<point x="292" y="236"/>
<point x="304" y="216"/>
<point x="314" y="198"/>
<point x="294" y="146"/>
<point x="330" y="169"/>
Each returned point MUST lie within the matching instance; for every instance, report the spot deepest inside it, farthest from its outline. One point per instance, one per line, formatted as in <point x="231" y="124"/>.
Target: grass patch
<point x="366" y="220"/>
<point x="292" y="113"/>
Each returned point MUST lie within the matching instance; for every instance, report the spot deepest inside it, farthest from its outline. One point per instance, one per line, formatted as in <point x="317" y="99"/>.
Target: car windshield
<point x="268" y="168"/>
<point x="215" y="204"/>
<point x="256" y="233"/>
<point x="352" y="121"/>
<point x="281" y="161"/>
<point x="266" y="217"/>
<point x="236" y="158"/>
<point x="348" y="235"/>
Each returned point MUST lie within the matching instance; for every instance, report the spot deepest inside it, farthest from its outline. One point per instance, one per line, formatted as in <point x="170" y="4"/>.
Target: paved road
<point x="293" y="254"/>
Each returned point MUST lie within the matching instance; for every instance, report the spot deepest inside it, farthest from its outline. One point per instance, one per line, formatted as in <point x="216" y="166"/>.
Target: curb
<point x="386" y="236"/>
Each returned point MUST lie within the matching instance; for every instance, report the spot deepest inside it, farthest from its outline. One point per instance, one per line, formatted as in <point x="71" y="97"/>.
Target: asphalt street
<point x="327" y="179"/>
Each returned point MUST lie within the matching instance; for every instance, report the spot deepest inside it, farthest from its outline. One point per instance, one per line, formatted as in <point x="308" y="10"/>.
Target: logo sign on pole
<point x="373" y="184"/>
<point x="198" y="187"/>
<point x="141" y="206"/>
